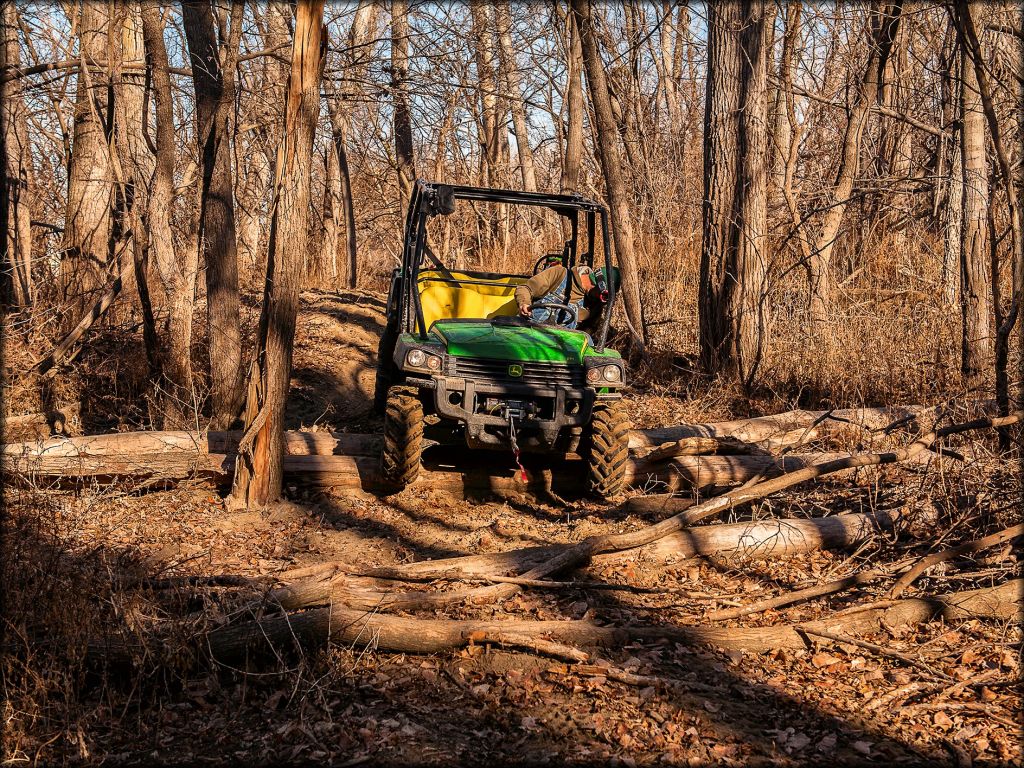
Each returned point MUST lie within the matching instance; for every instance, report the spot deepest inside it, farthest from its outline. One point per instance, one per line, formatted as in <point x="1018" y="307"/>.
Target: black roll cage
<point x="430" y="199"/>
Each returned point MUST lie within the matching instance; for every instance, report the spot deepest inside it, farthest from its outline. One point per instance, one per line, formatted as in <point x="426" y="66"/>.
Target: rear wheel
<point x="403" y="436"/>
<point x="607" y="449"/>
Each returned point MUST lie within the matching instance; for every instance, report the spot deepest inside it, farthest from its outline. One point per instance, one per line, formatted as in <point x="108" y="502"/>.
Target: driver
<point x="548" y="287"/>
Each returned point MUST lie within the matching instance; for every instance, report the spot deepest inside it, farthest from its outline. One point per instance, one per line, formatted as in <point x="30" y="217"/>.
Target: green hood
<point x="512" y="342"/>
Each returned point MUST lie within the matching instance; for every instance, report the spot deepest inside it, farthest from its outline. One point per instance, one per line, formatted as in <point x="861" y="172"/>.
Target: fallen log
<point x="401" y="634"/>
<point x="302" y="443"/>
<point x="297" y="443"/>
<point x="698" y="446"/>
<point x="728" y="541"/>
<point x="789" y="427"/>
<point x="342" y="460"/>
<point x="179" y="455"/>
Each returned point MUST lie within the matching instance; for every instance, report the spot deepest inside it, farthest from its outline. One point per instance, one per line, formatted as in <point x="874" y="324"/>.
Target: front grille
<point x="534" y="374"/>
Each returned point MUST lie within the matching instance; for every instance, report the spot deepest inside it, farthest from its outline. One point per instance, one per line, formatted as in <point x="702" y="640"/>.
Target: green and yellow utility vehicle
<point x="458" y="359"/>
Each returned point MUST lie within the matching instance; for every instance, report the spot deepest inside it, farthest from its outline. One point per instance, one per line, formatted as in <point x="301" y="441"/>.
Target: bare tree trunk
<point x="1004" y="322"/>
<point x="733" y="270"/>
<point x="611" y="165"/>
<point x="510" y="75"/>
<point x="340" y="220"/>
<point x="791" y="136"/>
<point x="668" y="43"/>
<point x="131" y="154"/>
<point x="953" y="218"/>
<point x="949" y="206"/>
<point x="87" y="228"/>
<point x="332" y="263"/>
<point x="255" y="150"/>
<point x="400" y="96"/>
<point x="782" y="126"/>
<point x="493" y="139"/>
<point x="896" y="146"/>
<point x="975" y="284"/>
<point x="884" y="25"/>
<point x="258" y="473"/>
<point x="484" y="57"/>
<point x="572" y="153"/>
<point x="133" y="163"/>
<point x="215" y="102"/>
<point x="177" y="274"/>
<point x="15" y="172"/>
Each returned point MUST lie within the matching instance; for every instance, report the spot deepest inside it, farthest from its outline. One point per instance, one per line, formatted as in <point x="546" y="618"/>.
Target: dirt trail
<point x="335" y="360"/>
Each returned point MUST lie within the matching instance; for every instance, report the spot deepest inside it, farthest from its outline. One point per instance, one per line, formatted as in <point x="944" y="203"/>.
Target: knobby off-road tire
<point x="387" y="373"/>
<point x="607" y="449"/>
<point x="403" y="436"/>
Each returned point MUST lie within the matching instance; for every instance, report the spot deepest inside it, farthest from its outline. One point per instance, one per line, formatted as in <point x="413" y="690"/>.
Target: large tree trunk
<point x="130" y="155"/>
<point x="884" y="25"/>
<point x="15" y="172"/>
<point x="733" y="266"/>
<point x="215" y="103"/>
<point x="87" y="228"/>
<point x="975" y="283"/>
<point x="1004" y="321"/>
<point x="259" y="471"/>
<point x="400" y="97"/>
<point x="510" y="76"/>
<point x="611" y="165"/>
<point x="178" y="275"/>
<point x="572" y="149"/>
<point x="133" y="163"/>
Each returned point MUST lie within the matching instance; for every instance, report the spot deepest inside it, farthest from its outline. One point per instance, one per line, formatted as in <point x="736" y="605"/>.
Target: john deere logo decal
<point x="515" y="370"/>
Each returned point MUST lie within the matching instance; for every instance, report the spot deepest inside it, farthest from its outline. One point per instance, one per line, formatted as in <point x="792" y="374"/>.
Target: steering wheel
<point x="568" y="309"/>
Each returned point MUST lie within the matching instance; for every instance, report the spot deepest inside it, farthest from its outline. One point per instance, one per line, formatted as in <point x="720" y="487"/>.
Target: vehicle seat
<point x="480" y="298"/>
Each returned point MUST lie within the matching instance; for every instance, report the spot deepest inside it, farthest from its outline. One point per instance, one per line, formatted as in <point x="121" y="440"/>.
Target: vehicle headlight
<point x="418" y="358"/>
<point x="609" y="373"/>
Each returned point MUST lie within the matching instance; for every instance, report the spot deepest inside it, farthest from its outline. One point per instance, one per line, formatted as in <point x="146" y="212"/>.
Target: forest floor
<point x="84" y="560"/>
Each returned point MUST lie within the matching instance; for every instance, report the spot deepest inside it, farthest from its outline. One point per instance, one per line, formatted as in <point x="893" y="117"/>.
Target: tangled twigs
<point x="925" y="563"/>
<point x="789" y="598"/>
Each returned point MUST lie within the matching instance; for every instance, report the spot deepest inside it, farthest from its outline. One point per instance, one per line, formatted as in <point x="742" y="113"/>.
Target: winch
<point x="509" y="409"/>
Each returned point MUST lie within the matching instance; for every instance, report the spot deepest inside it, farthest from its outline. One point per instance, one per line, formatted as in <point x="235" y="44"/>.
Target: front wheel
<point x="403" y="436"/>
<point x="607" y="449"/>
<point x="387" y="372"/>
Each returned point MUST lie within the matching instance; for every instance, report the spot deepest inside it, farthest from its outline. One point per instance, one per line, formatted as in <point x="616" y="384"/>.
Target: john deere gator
<point x="458" y="358"/>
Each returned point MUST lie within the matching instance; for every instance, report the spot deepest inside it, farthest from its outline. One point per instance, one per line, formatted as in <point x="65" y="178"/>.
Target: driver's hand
<point x="524" y="309"/>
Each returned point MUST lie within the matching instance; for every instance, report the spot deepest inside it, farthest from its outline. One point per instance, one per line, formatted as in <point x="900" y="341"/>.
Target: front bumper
<point x="564" y="412"/>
